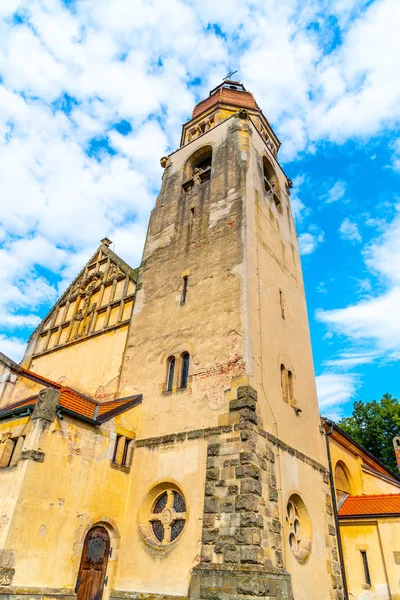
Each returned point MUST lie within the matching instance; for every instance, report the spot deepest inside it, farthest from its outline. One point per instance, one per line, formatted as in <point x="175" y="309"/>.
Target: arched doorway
<point x="93" y="567"/>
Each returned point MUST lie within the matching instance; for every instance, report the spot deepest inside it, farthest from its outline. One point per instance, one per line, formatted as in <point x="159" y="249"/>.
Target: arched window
<point x="342" y="483"/>
<point x="270" y="180"/>
<point x="287" y="385"/>
<point x="185" y="369"/>
<point x="170" y="374"/>
<point x="198" y="167"/>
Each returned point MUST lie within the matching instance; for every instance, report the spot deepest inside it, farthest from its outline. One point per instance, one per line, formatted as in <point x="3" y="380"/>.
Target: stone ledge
<point x="33" y="593"/>
<point x="35" y="455"/>
<point x="143" y="596"/>
<point x="219" y="430"/>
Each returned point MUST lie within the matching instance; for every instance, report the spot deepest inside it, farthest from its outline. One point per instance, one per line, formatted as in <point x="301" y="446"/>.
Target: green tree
<point x="374" y="425"/>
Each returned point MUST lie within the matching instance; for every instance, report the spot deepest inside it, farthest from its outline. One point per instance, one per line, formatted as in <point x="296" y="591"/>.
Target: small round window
<point x="298" y="528"/>
<point x="165" y="513"/>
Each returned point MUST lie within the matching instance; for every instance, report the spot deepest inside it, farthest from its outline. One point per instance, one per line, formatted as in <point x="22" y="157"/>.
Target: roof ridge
<point x="363" y="496"/>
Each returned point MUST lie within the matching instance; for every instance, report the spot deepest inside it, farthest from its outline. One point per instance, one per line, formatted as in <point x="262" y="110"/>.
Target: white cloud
<point x="336" y="192"/>
<point x="309" y="241"/>
<point x="373" y="322"/>
<point x="349" y="231"/>
<point x="12" y="347"/>
<point x="334" y="391"/>
<point x="348" y="360"/>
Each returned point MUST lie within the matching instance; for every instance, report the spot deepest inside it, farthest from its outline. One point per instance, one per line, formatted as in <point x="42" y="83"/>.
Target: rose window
<point x="168" y="516"/>
<point x="298" y="528"/>
<point x="293" y="520"/>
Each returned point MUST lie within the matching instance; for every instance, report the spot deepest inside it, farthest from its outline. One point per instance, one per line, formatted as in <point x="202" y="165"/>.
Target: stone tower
<point x="219" y="347"/>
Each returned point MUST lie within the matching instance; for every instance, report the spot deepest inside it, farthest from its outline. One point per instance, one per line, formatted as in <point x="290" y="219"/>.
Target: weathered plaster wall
<point x="206" y="245"/>
<point x="141" y="566"/>
<point x="314" y="579"/>
<point x="89" y="365"/>
<point x="60" y="498"/>
<point x="11" y="480"/>
<point x="273" y="266"/>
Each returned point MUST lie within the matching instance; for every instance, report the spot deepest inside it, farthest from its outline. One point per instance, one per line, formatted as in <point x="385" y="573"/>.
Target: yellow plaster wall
<point x="374" y="484"/>
<point x="60" y="499"/>
<point x="389" y="532"/>
<point x="352" y="462"/>
<point x="86" y="365"/>
<point x="141" y="567"/>
<point x="361" y="481"/>
<point x="312" y="580"/>
<point x="11" y="479"/>
<point x="364" y="536"/>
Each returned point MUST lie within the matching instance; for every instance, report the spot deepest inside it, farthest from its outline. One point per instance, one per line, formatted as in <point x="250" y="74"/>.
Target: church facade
<point x="161" y="437"/>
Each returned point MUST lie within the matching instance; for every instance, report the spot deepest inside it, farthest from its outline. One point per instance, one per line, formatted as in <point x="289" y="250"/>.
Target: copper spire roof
<point x="229" y="92"/>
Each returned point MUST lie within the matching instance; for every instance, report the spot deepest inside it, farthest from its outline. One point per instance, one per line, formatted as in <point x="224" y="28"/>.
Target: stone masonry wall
<point x="242" y="542"/>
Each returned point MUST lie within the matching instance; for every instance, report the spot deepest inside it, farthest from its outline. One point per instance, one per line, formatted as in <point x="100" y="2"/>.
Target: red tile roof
<point x="224" y="95"/>
<point x="75" y="401"/>
<point x="359" y="506"/>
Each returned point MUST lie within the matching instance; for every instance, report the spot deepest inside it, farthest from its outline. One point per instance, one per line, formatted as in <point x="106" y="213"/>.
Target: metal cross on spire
<point x="230" y="74"/>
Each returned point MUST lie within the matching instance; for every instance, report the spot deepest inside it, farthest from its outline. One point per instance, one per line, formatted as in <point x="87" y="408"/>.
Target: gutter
<point x="335" y="514"/>
<point x="23" y="411"/>
<point x="371" y="516"/>
<point x="75" y="415"/>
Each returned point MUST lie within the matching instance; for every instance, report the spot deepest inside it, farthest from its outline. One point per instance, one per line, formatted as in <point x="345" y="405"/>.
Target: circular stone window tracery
<point x="165" y="512"/>
<point x="299" y="528"/>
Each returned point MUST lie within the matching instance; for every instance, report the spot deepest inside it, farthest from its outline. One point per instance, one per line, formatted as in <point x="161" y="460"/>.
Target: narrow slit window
<point x="282" y="303"/>
<point x="184" y="289"/>
<point x="284" y="383"/>
<point x="170" y="374"/>
<point x="117" y="441"/>
<point x="126" y="456"/>
<point x="290" y="388"/>
<point x="191" y="219"/>
<point x="185" y="370"/>
<point x="366" y="567"/>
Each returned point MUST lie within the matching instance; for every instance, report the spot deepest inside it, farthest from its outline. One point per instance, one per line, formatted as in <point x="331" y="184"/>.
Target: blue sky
<point x="94" y="92"/>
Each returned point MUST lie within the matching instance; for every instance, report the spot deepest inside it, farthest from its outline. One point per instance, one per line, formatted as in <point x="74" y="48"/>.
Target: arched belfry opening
<point x="198" y="167"/>
<point x="270" y="182"/>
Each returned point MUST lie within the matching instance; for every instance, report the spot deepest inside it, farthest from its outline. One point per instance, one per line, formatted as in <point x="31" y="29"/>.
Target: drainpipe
<point x="335" y="514"/>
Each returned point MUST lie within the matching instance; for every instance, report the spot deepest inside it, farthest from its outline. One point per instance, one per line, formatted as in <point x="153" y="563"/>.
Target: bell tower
<point x="219" y="347"/>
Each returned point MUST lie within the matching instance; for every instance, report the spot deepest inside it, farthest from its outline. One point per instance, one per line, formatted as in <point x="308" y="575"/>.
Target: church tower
<point x="229" y="489"/>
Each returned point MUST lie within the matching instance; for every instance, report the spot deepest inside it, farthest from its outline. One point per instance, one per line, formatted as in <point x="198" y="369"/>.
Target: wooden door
<point x="92" y="570"/>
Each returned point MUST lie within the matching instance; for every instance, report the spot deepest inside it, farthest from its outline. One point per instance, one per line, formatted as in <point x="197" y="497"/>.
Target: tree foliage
<point x="374" y="425"/>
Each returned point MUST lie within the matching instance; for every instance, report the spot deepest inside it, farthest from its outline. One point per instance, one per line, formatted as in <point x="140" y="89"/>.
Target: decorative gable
<point x="100" y="298"/>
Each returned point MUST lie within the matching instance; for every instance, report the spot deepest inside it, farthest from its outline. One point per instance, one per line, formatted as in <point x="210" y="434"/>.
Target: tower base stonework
<point x="223" y="582"/>
<point x="242" y="542"/>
